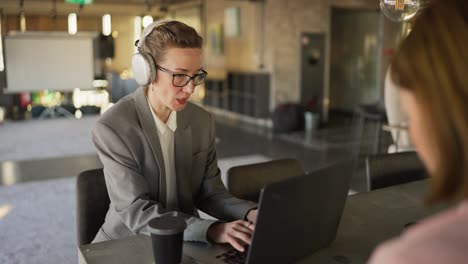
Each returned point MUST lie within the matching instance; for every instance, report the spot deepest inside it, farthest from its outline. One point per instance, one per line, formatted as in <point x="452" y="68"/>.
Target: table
<point x="368" y="219"/>
<point x="371" y="218"/>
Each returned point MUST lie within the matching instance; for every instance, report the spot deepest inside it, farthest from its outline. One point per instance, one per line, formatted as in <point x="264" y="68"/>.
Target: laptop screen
<point x="300" y="215"/>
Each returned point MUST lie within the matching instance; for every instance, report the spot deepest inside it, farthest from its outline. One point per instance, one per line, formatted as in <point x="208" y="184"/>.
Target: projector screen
<point x="48" y="61"/>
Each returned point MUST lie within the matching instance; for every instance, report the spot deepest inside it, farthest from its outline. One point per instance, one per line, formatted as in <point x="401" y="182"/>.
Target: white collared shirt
<point x="166" y="139"/>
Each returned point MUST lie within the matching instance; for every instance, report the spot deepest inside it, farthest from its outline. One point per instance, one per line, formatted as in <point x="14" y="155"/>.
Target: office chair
<point x="384" y="170"/>
<point x="246" y="181"/>
<point x="92" y="203"/>
<point x="369" y="112"/>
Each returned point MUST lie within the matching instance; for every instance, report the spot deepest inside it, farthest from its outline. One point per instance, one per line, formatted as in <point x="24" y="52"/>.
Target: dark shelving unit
<point x="243" y="93"/>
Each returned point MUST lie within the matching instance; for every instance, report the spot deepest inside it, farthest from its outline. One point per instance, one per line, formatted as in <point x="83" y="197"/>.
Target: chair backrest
<point x="247" y="181"/>
<point x="384" y="170"/>
<point x="92" y="203"/>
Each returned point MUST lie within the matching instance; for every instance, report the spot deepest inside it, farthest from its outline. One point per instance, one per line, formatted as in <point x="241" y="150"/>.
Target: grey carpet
<point x="37" y="219"/>
<point x="38" y="225"/>
<point x="325" y="139"/>
<point x="50" y="138"/>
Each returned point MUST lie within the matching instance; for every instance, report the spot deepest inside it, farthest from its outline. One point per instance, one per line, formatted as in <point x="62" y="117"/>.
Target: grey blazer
<point x="128" y="146"/>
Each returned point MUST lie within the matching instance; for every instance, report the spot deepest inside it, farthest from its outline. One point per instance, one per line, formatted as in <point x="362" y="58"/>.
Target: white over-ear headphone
<point x="143" y="64"/>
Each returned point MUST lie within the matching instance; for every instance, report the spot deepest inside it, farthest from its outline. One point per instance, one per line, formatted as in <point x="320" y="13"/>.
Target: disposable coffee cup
<point x="167" y="235"/>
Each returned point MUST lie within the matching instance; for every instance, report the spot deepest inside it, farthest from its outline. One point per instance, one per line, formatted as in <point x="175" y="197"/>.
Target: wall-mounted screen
<point x="57" y="61"/>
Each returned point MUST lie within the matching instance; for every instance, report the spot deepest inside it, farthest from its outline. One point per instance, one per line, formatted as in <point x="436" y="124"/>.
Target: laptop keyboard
<point x="233" y="257"/>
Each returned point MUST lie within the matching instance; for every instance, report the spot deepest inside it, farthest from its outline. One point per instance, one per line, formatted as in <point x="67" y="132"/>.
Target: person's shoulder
<point x="390" y="252"/>
<point x="451" y="225"/>
<point x="120" y="113"/>
<point x="197" y="112"/>
<point x="442" y="238"/>
<point x="196" y="108"/>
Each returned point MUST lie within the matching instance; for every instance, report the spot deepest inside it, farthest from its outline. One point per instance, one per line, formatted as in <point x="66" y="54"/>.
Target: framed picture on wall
<point x="232" y="21"/>
<point x="217" y="39"/>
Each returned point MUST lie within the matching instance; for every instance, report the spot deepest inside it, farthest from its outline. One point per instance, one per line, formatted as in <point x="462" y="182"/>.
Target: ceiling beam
<point x="95" y="9"/>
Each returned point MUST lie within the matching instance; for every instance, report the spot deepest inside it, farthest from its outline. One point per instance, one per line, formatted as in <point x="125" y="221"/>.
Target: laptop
<point x="296" y="217"/>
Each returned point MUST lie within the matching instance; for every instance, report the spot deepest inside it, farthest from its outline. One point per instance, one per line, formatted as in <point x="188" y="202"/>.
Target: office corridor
<point x="40" y="173"/>
<point x="63" y="147"/>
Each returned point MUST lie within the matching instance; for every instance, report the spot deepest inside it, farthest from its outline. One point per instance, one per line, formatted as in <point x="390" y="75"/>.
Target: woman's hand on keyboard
<point x="252" y="216"/>
<point x="237" y="233"/>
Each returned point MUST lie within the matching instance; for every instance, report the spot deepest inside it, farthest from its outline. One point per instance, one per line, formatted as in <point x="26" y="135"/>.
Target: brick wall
<point x="241" y="53"/>
<point x="275" y="43"/>
<point x="285" y="20"/>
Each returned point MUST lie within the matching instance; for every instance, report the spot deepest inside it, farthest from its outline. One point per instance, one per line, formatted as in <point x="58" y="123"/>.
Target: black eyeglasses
<point x="180" y="79"/>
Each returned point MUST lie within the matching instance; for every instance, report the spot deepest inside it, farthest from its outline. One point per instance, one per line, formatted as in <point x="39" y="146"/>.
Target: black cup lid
<point x="167" y="225"/>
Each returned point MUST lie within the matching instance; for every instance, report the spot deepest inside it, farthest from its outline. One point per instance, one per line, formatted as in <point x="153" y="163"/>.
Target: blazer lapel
<point x="183" y="161"/>
<point x="149" y="128"/>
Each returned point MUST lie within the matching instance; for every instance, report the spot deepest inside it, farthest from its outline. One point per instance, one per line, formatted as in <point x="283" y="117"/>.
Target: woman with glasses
<point x="430" y="69"/>
<point x="158" y="149"/>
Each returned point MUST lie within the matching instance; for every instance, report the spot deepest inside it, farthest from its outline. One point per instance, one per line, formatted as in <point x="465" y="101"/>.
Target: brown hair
<point x="432" y="63"/>
<point x="170" y="34"/>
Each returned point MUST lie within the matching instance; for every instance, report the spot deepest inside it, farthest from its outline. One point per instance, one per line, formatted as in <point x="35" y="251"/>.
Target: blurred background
<point x="300" y="79"/>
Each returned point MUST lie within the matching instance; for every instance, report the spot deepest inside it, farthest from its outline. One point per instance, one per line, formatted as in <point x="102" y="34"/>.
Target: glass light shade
<point x="22" y="22"/>
<point x="72" y="24"/>
<point x="2" y="63"/>
<point x="136" y="31"/>
<point x="147" y="20"/>
<point x="106" y="25"/>
<point x="399" y="10"/>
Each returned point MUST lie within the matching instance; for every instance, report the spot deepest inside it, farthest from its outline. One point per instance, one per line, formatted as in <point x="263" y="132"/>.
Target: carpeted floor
<point x="49" y="138"/>
<point x="38" y="223"/>
<point x="37" y="219"/>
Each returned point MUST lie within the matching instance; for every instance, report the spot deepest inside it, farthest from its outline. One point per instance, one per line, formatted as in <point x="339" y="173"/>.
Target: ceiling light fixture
<point x="147" y="20"/>
<point x="399" y="10"/>
<point x="2" y="63"/>
<point x="53" y="13"/>
<point x="22" y="17"/>
<point x="136" y="31"/>
<point x="72" y="24"/>
<point x="73" y="21"/>
<point x="106" y="25"/>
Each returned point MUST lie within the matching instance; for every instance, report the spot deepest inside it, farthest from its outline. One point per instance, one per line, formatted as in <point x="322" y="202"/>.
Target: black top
<point x="167" y="225"/>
